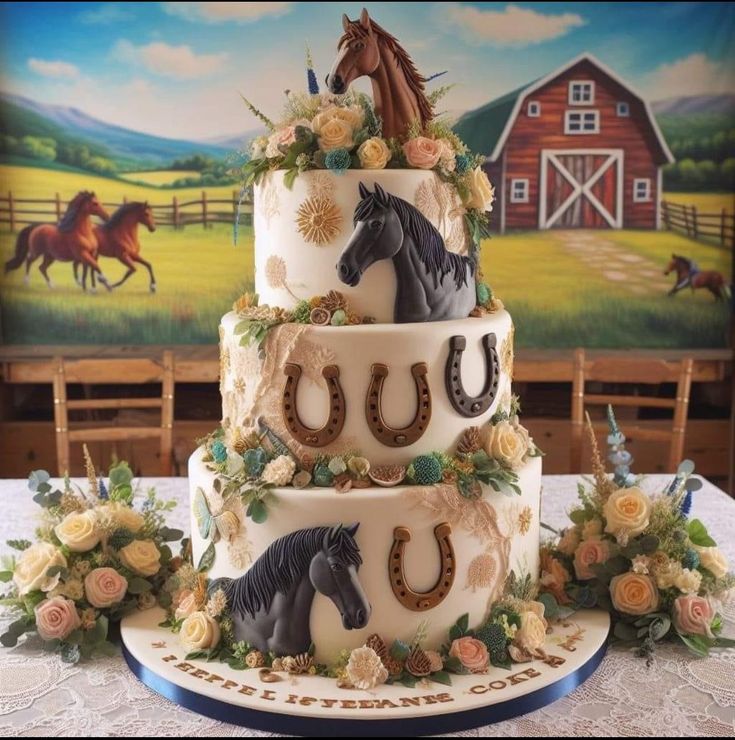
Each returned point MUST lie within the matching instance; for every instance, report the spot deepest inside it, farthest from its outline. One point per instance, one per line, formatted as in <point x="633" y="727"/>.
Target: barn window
<point x="641" y="190"/>
<point x="534" y="109"/>
<point x="623" y="109"/>
<point x="519" y="191"/>
<point x="581" y="92"/>
<point x="582" y="122"/>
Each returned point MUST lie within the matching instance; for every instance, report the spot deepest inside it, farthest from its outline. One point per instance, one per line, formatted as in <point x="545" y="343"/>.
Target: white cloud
<point x="105" y="15"/>
<point x="696" y="74"/>
<point x="57" y="68"/>
<point x="512" y="26"/>
<point x="178" y="62"/>
<point x="226" y="12"/>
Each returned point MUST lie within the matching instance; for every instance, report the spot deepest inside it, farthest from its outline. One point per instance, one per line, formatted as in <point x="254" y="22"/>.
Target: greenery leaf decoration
<point x="698" y="534"/>
<point x="36" y="478"/>
<point x="207" y="559"/>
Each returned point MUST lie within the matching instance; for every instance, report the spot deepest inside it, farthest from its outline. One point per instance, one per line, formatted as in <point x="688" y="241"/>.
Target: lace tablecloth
<point x="677" y="695"/>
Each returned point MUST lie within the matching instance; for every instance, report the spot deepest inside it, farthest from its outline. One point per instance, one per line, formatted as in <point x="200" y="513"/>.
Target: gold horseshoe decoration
<point x="337" y="408"/>
<point x="419" y="602"/>
<point x="390" y="436"/>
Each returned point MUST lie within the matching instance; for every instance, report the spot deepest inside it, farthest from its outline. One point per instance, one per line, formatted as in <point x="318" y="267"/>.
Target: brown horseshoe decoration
<point x="388" y="435"/>
<point x="419" y="602"/>
<point x="464" y="404"/>
<point x="337" y="408"/>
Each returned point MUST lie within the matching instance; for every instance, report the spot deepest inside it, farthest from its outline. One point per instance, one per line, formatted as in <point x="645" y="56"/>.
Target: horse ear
<point x="330" y="534"/>
<point x="345" y="22"/>
<point x="352" y="529"/>
<point x="364" y="192"/>
<point x="365" y="20"/>
<point x="381" y="194"/>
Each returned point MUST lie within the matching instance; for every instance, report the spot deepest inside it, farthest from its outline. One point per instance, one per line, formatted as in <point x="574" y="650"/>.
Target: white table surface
<point x="677" y="696"/>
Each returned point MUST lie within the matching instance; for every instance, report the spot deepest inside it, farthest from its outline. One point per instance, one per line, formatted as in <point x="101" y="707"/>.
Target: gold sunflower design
<point x="318" y="220"/>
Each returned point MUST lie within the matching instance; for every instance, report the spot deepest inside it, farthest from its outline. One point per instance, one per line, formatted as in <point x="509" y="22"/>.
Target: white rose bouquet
<point x="97" y="558"/>
<point x="641" y="557"/>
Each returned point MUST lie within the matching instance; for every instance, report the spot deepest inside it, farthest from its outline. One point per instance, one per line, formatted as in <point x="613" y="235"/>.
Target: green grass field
<point x="159" y="177"/>
<point x="705" y="202"/>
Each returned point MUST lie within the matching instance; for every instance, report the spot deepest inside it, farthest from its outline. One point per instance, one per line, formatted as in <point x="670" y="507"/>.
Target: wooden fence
<point x="717" y="227"/>
<point x="15" y="213"/>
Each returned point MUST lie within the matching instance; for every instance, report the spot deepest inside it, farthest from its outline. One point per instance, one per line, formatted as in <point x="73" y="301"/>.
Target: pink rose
<point x="422" y="152"/>
<point x="472" y="654"/>
<point x="56" y="618"/>
<point x="693" y="615"/>
<point x="187" y="605"/>
<point x="105" y="587"/>
<point x="592" y="551"/>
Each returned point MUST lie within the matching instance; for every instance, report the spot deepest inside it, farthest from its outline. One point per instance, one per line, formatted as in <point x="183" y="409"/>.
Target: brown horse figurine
<point x="398" y="89"/>
<point x="118" y="238"/>
<point x="688" y="274"/>
<point x="72" y="240"/>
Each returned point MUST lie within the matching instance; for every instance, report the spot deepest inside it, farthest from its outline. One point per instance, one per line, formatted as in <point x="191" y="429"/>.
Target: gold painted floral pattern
<point x="270" y="203"/>
<point x="507" y="353"/>
<point x="276" y="274"/>
<point x="320" y="185"/>
<point x="524" y="519"/>
<point x="439" y="202"/>
<point x="318" y="220"/>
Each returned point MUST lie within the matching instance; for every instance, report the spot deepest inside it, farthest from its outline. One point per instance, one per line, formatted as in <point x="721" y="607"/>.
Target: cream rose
<point x="422" y="152"/>
<point x="531" y="634"/>
<point x="693" y="615"/>
<point x="105" y="587"/>
<point x="31" y="570"/>
<point x="480" y="193"/>
<point x="353" y="115"/>
<point x="141" y="556"/>
<point x="554" y="576"/>
<point x="187" y="606"/>
<point x="634" y="594"/>
<point x="199" y="632"/>
<point x="712" y="559"/>
<point x="56" y="618"/>
<point x="592" y="551"/>
<point x="569" y="541"/>
<point x="472" y="654"/>
<point x="123" y="516"/>
<point x="627" y="511"/>
<point x="688" y="581"/>
<point x="446" y="159"/>
<point x="507" y="443"/>
<point x="78" y="531"/>
<point x="334" y="127"/>
<point x="373" y="153"/>
<point x="591" y="528"/>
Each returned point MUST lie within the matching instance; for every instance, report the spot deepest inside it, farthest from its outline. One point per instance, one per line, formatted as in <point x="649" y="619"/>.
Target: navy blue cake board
<point x="314" y="706"/>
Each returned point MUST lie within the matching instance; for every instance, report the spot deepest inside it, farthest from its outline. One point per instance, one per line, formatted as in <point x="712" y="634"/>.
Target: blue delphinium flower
<point x="337" y="160"/>
<point x="104" y="493"/>
<point x="310" y="74"/>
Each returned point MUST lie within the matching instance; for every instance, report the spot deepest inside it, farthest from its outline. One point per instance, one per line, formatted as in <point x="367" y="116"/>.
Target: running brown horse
<point x="71" y="240"/>
<point x="688" y="274"/>
<point x="118" y="238"/>
<point x="398" y="89"/>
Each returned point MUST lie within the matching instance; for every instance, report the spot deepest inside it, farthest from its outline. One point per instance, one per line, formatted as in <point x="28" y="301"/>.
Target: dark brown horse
<point x="398" y="89"/>
<point x="687" y="274"/>
<point x="72" y="240"/>
<point x="118" y="238"/>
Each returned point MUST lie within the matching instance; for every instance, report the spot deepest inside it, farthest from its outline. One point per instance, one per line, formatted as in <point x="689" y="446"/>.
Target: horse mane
<point x="429" y="243"/>
<point x="685" y="260"/>
<point x="282" y="564"/>
<point x="72" y="210"/>
<point x="120" y="214"/>
<point x="416" y="81"/>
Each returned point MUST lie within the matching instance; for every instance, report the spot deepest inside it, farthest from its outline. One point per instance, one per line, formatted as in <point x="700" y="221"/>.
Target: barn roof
<point x="486" y="129"/>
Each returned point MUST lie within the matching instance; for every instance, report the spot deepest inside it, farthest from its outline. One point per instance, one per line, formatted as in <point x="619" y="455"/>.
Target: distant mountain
<point x="233" y="142"/>
<point x="21" y="116"/>
<point x="695" y="105"/>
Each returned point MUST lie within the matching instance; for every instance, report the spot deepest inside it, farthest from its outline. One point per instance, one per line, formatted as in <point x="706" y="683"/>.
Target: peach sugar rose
<point x="471" y="653"/>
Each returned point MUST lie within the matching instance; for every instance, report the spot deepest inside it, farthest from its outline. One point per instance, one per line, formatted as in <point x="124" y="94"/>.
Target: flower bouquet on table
<point x="640" y="557"/>
<point x="96" y="558"/>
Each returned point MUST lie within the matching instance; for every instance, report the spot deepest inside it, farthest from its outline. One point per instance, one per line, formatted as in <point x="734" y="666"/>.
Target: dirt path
<point x="631" y="272"/>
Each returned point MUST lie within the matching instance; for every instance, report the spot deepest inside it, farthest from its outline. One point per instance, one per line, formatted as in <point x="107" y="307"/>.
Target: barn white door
<point x="581" y="188"/>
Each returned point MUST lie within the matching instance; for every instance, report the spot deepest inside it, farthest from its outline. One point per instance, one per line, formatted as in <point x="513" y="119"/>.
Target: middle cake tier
<point x="389" y="391"/>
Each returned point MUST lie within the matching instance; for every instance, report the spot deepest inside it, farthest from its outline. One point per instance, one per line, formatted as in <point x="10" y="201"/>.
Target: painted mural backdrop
<point x="608" y="128"/>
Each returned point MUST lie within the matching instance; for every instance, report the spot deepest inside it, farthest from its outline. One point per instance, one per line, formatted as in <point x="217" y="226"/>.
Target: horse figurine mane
<point x="72" y="210"/>
<point x="121" y="213"/>
<point x="283" y="564"/>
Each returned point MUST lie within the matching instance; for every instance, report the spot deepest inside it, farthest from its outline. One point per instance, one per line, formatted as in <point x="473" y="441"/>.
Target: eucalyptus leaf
<point x="36" y="478"/>
<point x="138" y="586"/>
<point x="207" y="559"/>
<point x="257" y="511"/>
<point x="70" y="653"/>
<point x="400" y="650"/>
<point x="441" y="677"/>
<point x="169" y="534"/>
<point x="6" y="575"/>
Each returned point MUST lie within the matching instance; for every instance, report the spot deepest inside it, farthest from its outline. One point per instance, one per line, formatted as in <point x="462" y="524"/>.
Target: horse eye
<point x="358" y="46"/>
<point x="375" y="224"/>
<point x="336" y="567"/>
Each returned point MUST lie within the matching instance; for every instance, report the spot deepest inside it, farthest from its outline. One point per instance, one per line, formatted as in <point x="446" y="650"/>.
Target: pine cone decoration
<point x="393" y="666"/>
<point x="375" y="641"/>
<point x="255" y="659"/>
<point x="470" y="441"/>
<point x="298" y="664"/>
<point x="342" y="483"/>
<point x="334" y="300"/>
<point x="418" y="663"/>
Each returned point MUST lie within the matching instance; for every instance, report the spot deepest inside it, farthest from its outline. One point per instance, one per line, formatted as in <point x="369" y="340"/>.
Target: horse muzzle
<point x="151" y="228"/>
<point x="357" y="620"/>
<point x="349" y="276"/>
<point x="335" y="84"/>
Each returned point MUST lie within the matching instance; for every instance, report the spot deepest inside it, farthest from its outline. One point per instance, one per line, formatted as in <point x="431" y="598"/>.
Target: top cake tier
<point x="301" y="236"/>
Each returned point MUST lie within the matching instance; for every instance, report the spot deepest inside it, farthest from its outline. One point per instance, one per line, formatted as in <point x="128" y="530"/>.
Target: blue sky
<point x="175" y="69"/>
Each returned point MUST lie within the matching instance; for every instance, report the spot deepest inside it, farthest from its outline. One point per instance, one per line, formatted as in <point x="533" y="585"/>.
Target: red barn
<point x="575" y="149"/>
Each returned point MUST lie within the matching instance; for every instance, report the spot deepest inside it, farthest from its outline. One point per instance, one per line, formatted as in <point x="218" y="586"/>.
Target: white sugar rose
<point x="199" y="632"/>
<point x="507" y="443"/>
<point x="78" y="531"/>
<point x="688" y="581"/>
<point x="123" y="516"/>
<point x="712" y="559"/>
<point x="105" y="587"/>
<point x="531" y="634"/>
<point x="279" y="471"/>
<point x="364" y="669"/>
<point x="447" y="160"/>
<point x="258" y="147"/>
<point x="56" y="618"/>
<point x="188" y="605"/>
<point x="374" y="154"/>
<point x="142" y="557"/>
<point x="31" y="570"/>
<point x="627" y="511"/>
<point x="480" y="193"/>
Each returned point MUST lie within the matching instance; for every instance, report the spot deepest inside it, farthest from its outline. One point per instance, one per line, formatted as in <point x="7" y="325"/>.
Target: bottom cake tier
<point x="330" y="569"/>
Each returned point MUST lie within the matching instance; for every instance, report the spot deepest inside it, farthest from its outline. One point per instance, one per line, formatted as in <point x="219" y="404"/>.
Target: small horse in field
<point x="73" y="239"/>
<point x="118" y="238"/>
<point x="688" y="274"/>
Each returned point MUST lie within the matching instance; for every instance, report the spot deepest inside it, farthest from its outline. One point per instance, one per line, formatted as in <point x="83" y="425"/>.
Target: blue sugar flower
<point x="219" y="451"/>
<point x="463" y="162"/>
<point x="337" y="160"/>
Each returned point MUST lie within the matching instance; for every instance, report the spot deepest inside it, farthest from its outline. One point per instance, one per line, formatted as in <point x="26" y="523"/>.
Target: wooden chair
<point x="623" y="370"/>
<point x="125" y="372"/>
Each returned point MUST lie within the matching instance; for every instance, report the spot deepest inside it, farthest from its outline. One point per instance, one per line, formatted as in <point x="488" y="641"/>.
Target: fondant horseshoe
<point x="336" y="420"/>
<point x="390" y="436"/>
<point x="413" y="600"/>
<point x="464" y="404"/>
